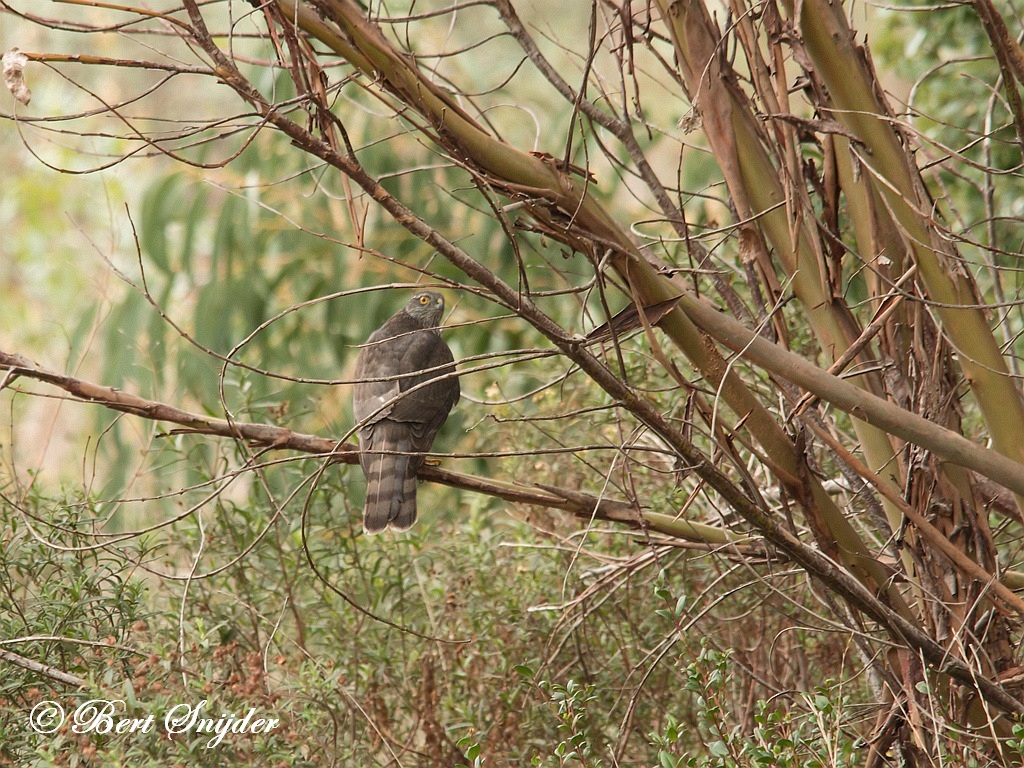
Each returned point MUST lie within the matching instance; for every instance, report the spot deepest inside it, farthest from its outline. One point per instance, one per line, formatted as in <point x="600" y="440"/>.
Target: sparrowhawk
<point x="396" y="418"/>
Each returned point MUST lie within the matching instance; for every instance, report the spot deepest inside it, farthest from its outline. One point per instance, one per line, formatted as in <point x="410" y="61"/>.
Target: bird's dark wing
<point x="385" y="357"/>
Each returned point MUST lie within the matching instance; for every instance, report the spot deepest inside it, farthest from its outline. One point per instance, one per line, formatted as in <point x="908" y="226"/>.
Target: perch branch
<point x="577" y="503"/>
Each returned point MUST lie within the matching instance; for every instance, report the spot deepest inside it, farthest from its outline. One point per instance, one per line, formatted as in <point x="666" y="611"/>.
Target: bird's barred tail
<point x="390" y="494"/>
<point x="403" y="514"/>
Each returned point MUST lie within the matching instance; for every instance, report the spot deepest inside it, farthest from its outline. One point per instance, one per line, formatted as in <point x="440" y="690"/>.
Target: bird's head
<point x="427" y="307"/>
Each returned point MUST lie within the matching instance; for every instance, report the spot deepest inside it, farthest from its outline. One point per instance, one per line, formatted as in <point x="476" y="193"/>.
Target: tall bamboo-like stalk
<point x="852" y="89"/>
<point x="892" y="217"/>
<point x="771" y="199"/>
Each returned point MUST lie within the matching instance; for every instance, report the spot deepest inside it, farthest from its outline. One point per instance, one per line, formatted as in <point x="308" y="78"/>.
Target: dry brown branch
<point x="42" y="669"/>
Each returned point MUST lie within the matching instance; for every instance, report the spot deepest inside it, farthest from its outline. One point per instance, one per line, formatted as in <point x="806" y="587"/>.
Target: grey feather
<point x="405" y="387"/>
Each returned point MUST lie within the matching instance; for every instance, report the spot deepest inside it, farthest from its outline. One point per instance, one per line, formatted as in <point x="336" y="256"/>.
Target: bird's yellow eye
<point x="424" y="299"/>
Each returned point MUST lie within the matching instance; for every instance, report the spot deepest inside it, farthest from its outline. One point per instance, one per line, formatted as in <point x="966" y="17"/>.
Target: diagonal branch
<point x="42" y="669"/>
<point x="944" y="443"/>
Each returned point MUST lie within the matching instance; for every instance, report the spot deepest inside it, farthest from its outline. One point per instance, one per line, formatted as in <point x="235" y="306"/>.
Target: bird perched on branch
<point x="405" y="387"/>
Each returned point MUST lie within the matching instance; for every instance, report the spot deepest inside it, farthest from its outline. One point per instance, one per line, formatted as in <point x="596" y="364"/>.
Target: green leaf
<point x="718" y="749"/>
